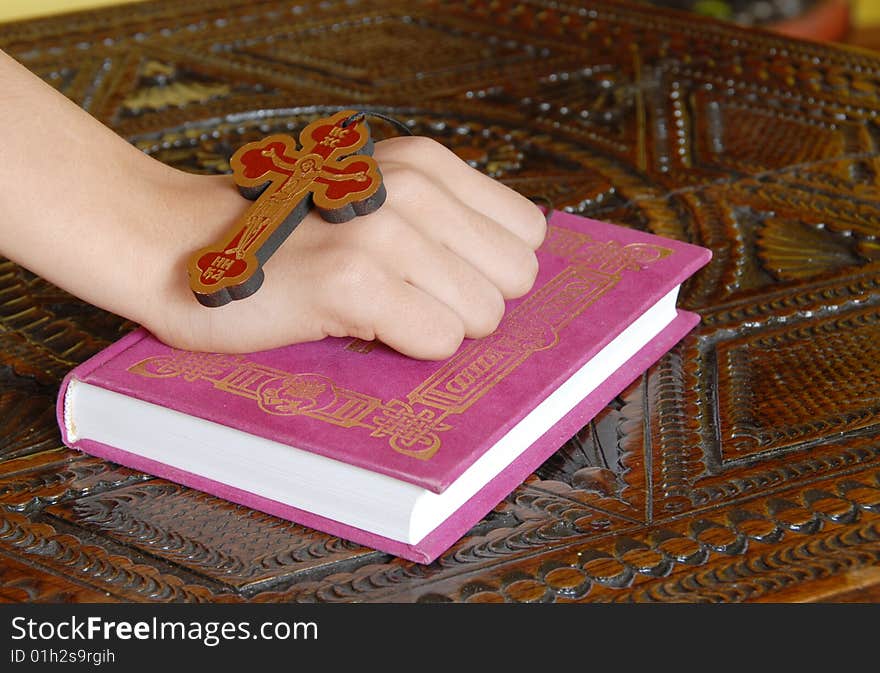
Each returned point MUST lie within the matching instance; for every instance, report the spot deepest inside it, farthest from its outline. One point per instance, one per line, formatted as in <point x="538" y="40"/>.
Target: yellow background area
<point x="26" y="9"/>
<point x="864" y="11"/>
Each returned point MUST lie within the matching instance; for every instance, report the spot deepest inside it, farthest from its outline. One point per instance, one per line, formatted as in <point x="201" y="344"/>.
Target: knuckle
<point x="488" y="317"/>
<point x="405" y="182"/>
<point x="383" y="231"/>
<point x="411" y="149"/>
<point x="536" y="228"/>
<point x="354" y="273"/>
<point x="392" y="229"/>
<point x="522" y="276"/>
<point x="444" y="340"/>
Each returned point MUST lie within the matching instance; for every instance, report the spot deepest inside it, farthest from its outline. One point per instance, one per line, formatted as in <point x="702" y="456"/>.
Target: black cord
<point x="358" y="116"/>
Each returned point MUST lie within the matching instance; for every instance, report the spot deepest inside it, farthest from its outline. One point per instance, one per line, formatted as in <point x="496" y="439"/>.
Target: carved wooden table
<point x="742" y="467"/>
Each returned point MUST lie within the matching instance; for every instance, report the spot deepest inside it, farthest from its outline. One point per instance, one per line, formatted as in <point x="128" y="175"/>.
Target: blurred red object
<point x="829" y="20"/>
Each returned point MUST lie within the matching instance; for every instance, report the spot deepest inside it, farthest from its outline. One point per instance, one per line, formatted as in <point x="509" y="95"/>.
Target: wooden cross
<point x="332" y="171"/>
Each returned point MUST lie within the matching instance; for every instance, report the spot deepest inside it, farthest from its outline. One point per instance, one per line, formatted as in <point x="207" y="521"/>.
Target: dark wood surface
<point x="742" y="467"/>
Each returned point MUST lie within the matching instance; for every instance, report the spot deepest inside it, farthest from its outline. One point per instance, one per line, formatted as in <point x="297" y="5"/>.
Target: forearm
<point x="80" y="206"/>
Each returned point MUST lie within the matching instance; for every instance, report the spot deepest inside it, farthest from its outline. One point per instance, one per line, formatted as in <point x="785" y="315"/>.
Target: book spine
<point x="81" y="371"/>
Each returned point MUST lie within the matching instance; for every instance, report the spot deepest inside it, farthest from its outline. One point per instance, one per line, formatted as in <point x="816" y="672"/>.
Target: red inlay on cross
<point x="332" y="170"/>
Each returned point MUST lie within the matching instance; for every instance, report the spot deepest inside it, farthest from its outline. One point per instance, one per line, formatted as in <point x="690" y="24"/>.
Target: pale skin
<point x="89" y="212"/>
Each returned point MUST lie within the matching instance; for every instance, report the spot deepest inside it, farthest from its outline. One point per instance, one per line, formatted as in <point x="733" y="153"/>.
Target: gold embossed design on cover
<point x="411" y="432"/>
<point x="413" y="426"/>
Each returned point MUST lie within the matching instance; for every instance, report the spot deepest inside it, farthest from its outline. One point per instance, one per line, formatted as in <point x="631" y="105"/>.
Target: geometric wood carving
<point x="744" y="466"/>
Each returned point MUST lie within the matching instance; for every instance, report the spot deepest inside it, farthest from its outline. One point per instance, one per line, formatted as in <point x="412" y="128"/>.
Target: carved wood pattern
<point x="744" y="466"/>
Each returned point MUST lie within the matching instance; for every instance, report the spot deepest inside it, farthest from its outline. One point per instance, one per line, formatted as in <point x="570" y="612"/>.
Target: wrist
<point x="195" y="210"/>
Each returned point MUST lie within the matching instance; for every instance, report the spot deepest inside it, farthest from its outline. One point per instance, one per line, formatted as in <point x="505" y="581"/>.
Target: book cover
<point x="423" y="422"/>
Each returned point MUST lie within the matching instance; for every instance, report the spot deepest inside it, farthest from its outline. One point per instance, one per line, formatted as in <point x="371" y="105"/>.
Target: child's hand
<point x="433" y="265"/>
<point x="87" y="211"/>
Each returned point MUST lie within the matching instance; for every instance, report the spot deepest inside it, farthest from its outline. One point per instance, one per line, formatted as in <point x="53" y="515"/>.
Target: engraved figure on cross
<point x="332" y="171"/>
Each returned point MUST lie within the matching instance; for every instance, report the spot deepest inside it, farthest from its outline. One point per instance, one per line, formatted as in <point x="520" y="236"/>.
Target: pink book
<point x="357" y="440"/>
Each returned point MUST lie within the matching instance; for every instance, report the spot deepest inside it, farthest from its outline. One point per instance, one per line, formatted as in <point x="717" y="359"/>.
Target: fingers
<point x="437" y="270"/>
<point x="386" y="253"/>
<point x="496" y="201"/>
<point x="416" y="324"/>
<point x="493" y="250"/>
<point x="439" y="265"/>
<point x="364" y="299"/>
